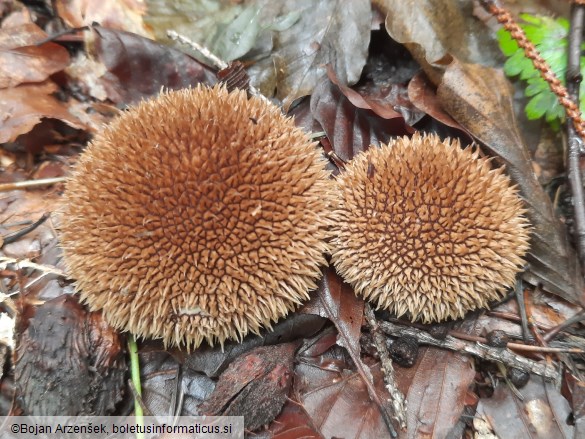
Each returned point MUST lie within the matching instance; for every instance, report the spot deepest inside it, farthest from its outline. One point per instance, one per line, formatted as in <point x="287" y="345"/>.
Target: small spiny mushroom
<point x="433" y="233"/>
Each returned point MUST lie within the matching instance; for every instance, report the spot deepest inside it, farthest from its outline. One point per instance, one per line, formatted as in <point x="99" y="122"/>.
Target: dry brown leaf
<point x="22" y="107"/>
<point x="116" y="14"/>
<point x="21" y="60"/>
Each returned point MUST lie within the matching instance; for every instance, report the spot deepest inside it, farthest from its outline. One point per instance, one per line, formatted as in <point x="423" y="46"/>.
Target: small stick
<point x="553" y="332"/>
<point x="217" y="62"/>
<point x="397" y="398"/>
<point x="518" y="346"/>
<point x="5" y="187"/>
<point x="502" y="355"/>
<point x="575" y="143"/>
<point x="12" y="237"/>
<point x="514" y="318"/>
<point x="519" y="292"/>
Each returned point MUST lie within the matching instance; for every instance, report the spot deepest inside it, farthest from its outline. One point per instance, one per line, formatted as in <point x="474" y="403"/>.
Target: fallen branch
<point x="502" y="355"/>
<point x="397" y="398"/>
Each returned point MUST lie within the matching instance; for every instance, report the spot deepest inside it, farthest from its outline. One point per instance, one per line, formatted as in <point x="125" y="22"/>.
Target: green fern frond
<point x="550" y="38"/>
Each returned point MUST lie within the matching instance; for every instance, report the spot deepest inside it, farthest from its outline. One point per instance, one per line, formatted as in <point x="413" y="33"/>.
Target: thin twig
<point x="575" y="143"/>
<point x="217" y="62"/>
<point x="15" y="236"/>
<point x="519" y="346"/>
<point x="502" y="355"/>
<point x="519" y="292"/>
<point x="397" y="398"/>
<point x="553" y="332"/>
<point x="5" y="187"/>
<point x="513" y="318"/>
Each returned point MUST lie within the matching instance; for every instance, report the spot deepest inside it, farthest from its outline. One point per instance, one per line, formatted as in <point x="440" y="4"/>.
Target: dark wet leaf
<point x="338" y="402"/>
<point x="435" y="388"/>
<point x="467" y="94"/>
<point x="390" y="102"/>
<point x="21" y="60"/>
<point x="161" y="392"/>
<point x="327" y="32"/>
<point x="542" y="414"/>
<point x="437" y="30"/>
<point x="350" y="129"/>
<point x="423" y="95"/>
<point x="255" y="386"/>
<point x="213" y="361"/>
<point x="337" y="302"/>
<point x="138" y="67"/>
<point x="293" y="423"/>
<point x="68" y="361"/>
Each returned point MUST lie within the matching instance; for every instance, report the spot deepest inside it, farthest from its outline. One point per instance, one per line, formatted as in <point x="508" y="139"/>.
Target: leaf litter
<point x="324" y="65"/>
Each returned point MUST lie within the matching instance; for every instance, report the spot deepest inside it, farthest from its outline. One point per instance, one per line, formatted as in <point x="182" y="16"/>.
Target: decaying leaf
<point x="337" y="302"/>
<point x="327" y="32"/>
<point x="213" y="360"/>
<point x="435" y="388"/>
<point x="293" y="423"/>
<point x="542" y="414"/>
<point x="387" y="102"/>
<point x="423" y="96"/>
<point x="170" y="387"/>
<point x="435" y="31"/>
<point x="24" y="106"/>
<point x="338" y="402"/>
<point x="255" y="386"/>
<point x="115" y="14"/>
<point x="467" y="92"/>
<point x="348" y="128"/>
<point x="138" y="68"/>
<point x="22" y="60"/>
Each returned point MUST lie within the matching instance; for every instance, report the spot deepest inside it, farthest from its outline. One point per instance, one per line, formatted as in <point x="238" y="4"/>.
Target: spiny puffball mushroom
<point x="427" y="229"/>
<point x="197" y="215"/>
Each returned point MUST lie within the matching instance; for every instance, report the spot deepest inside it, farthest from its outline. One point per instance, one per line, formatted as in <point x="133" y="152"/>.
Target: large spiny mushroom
<point x="197" y="215"/>
<point x="428" y="229"/>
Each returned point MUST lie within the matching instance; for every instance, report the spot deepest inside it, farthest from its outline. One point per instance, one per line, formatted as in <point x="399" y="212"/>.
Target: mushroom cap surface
<point x="427" y="229"/>
<point x="197" y="215"/>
